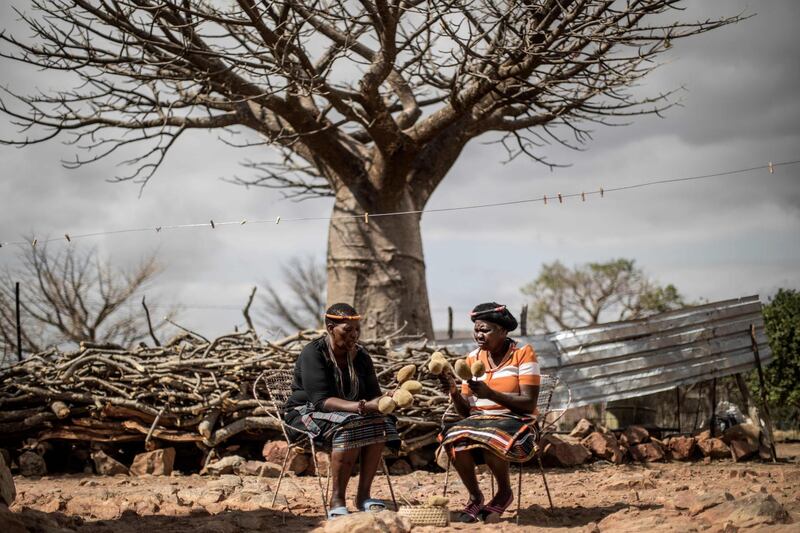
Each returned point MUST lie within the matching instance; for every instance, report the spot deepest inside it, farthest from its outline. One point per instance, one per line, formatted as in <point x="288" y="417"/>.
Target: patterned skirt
<point x="340" y="430"/>
<point x="508" y="436"/>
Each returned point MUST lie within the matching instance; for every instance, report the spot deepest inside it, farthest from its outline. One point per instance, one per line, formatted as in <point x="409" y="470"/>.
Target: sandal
<point x="491" y="513"/>
<point x="373" y="505"/>
<point x="469" y="514"/>
<point x="337" y="511"/>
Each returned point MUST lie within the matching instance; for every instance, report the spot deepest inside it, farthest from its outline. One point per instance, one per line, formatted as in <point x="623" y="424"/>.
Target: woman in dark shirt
<point x="335" y="396"/>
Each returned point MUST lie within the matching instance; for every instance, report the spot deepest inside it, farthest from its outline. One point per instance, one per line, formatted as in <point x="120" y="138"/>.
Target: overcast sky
<point x="714" y="239"/>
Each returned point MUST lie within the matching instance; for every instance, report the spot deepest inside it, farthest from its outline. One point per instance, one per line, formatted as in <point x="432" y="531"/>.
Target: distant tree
<point x="782" y="375"/>
<point x="69" y="296"/>
<point x="369" y="102"/>
<point x="302" y="306"/>
<point x="566" y="298"/>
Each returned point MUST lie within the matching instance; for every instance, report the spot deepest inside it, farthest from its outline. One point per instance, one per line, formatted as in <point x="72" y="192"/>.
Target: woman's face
<point x="489" y="336"/>
<point x="344" y="335"/>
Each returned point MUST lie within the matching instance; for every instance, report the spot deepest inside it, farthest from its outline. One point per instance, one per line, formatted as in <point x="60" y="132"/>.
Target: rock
<point x="400" y="468"/>
<point x="269" y="470"/>
<point x="564" y="451"/>
<point x="714" y="448"/>
<point x="581" y="429"/>
<point x="250" y="468"/>
<point x="8" y="492"/>
<point x="155" y="463"/>
<point x="32" y="464"/>
<point x="274" y="452"/>
<point x="743" y="449"/>
<point x="384" y="522"/>
<point x="680" y="448"/>
<point x="6" y="456"/>
<point x="634" y="435"/>
<point x="750" y="511"/>
<point x="226" y="465"/>
<point x="703" y="435"/>
<point x="741" y="432"/>
<point x="697" y="503"/>
<point x="421" y="458"/>
<point x="647" y="452"/>
<point x="323" y="461"/>
<point x="604" y="446"/>
<point x="11" y="522"/>
<point x="106" y="465"/>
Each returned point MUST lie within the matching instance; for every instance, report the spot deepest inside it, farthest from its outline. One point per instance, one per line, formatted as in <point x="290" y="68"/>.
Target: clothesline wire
<point x="277" y="220"/>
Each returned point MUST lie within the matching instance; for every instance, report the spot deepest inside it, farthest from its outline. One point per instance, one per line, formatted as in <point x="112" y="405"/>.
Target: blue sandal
<point x="373" y="505"/>
<point x="337" y="511"/>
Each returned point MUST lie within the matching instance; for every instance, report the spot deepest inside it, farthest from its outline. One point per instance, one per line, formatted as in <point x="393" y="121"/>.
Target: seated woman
<point x="498" y="408"/>
<point x="335" y="396"/>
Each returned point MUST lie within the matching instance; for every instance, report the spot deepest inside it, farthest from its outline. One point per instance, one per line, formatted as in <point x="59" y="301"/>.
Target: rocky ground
<point x="721" y="496"/>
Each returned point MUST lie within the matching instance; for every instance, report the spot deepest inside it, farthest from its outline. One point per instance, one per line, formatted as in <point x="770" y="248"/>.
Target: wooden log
<point x="162" y="433"/>
<point x="60" y="409"/>
<point x="206" y="427"/>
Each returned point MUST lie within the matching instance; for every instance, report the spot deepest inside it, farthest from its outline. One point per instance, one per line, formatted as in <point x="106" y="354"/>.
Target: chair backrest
<point x="547" y="386"/>
<point x="278" y="384"/>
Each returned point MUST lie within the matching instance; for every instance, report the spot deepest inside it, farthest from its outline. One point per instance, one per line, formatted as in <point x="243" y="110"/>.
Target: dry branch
<point x="190" y="390"/>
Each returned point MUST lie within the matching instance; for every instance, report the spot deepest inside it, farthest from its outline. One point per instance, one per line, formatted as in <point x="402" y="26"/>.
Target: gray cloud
<point x="715" y="238"/>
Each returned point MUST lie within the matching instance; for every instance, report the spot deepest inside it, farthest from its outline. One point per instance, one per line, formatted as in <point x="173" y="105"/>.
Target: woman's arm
<point x="523" y="403"/>
<point x="460" y="402"/>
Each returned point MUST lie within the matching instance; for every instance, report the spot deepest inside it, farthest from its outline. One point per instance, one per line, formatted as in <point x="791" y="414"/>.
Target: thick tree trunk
<point x="378" y="266"/>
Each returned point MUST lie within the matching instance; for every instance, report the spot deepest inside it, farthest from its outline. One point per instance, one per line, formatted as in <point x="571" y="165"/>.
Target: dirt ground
<point x="721" y="496"/>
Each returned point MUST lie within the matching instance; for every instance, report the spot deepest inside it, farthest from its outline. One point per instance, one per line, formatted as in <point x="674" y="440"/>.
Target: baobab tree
<point x="368" y="101"/>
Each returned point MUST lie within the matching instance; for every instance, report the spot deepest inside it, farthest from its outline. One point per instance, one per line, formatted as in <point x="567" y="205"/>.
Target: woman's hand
<point x="480" y="389"/>
<point x="447" y="383"/>
<point x="372" y="405"/>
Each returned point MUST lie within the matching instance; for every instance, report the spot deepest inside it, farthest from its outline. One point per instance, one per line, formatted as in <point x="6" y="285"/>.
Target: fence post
<point x="523" y="320"/>
<point x="19" y="323"/>
<point x="767" y="417"/>
<point x="449" y="322"/>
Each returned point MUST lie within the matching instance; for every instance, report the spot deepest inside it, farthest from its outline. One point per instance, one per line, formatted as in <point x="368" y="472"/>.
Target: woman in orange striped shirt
<point x="498" y="410"/>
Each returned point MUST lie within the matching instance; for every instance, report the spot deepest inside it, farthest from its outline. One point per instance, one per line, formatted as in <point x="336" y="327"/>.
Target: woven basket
<point x="426" y="516"/>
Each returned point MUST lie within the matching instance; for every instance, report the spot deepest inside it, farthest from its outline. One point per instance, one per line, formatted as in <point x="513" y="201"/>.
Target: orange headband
<point x="338" y="317"/>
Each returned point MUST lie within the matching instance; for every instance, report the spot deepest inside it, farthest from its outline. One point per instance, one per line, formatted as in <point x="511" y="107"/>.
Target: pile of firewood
<point x="191" y="390"/>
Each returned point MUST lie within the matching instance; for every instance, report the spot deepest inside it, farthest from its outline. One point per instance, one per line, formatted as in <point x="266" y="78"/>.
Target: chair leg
<point x="546" y="488"/>
<point x="519" y="492"/>
<point x="280" y="477"/>
<point x="446" y="476"/>
<point x="491" y="482"/>
<point x="328" y="482"/>
<point x="389" y="481"/>
<point x="319" y="479"/>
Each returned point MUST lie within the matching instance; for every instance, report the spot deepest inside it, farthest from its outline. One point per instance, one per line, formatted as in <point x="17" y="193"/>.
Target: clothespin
<point x="278" y="220"/>
<point x="66" y="236"/>
<point x="243" y="222"/>
<point x="366" y="218"/>
<point x="545" y="199"/>
<point x="583" y="196"/>
<point x="601" y="192"/>
<point x="771" y="168"/>
<point x="560" y="199"/>
<point x="34" y="242"/>
<point x="212" y="225"/>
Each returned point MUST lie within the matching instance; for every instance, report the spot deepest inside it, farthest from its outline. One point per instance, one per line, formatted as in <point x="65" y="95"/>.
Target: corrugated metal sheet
<point x="638" y="357"/>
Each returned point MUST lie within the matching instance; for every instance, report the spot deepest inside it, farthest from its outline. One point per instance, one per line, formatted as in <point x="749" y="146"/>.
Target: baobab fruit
<point x="478" y="369"/>
<point x="402" y="398"/>
<point x="462" y="370"/>
<point x="386" y="405"/>
<point x="412" y="385"/>
<point x="435" y="366"/>
<point x="438" y="355"/>
<point x="406" y="373"/>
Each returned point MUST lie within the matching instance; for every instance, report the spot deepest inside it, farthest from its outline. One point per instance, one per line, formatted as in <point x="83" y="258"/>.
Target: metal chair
<point x="278" y="384"/>
<point x="547" y="387"/>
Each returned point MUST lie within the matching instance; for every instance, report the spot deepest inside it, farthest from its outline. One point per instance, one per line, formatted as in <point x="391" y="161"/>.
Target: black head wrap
<point x="495" y="313"/>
